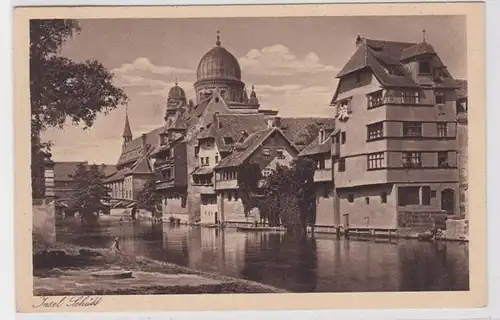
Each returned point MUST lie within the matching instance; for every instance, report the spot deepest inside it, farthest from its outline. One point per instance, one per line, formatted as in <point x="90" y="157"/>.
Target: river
<point x="316" y="264"/>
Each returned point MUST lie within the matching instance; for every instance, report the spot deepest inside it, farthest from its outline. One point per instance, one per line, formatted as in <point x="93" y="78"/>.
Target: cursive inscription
<point x="71" y="301"/>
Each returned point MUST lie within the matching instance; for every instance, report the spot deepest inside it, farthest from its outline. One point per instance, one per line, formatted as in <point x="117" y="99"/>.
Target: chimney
<point x="277" y="122"/>
<point x="143" y="143"/>
<point x="359" y="39"/>
<point x="217" y="120"/>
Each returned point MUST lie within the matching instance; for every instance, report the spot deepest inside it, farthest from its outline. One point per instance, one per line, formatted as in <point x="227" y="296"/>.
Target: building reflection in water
<point x="320" y="263"/>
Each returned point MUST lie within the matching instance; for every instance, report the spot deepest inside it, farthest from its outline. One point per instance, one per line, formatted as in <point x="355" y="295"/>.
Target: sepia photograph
<point x="221" y="155"/>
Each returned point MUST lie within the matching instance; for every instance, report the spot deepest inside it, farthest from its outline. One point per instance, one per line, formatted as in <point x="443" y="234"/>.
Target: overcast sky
<point x="291" y="61"/>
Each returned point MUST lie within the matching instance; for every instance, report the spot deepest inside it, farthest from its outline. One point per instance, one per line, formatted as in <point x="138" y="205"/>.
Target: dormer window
<point x="424" y="67"/>
<point x="270" y="123"/>
<point x="321" y="136"/>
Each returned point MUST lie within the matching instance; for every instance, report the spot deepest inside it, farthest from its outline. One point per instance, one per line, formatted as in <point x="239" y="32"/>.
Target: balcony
<point x="226" y="184"/>
<point x="321" y="175"/>
<point x="165" y="184"/>
<point x="162" y="163"/>
<point x="204" y="188"/>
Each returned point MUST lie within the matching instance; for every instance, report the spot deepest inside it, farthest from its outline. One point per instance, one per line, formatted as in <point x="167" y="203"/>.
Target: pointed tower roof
<point x="127" y="132"/>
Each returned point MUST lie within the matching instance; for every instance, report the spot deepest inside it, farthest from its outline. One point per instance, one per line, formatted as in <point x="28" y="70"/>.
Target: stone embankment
<point x="61" y="269"/>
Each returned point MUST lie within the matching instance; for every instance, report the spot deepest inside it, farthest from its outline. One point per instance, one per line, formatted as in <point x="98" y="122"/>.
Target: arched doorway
<point x="448" y="201"/>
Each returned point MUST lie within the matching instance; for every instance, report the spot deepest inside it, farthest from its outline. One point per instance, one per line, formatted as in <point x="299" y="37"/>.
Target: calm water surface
<point x="315" y="264"/>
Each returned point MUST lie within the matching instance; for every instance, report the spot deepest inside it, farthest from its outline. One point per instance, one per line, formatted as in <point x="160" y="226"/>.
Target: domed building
<point x="219" y="71"/>
<point x="176" y="99"/>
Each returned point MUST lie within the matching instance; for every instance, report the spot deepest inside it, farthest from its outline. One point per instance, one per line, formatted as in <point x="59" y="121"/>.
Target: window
<point x="343" y="137"/>
<point x="341" y="165"/>
<point x="207" y="161"/>
<point x="426" y="196"/>
<point x="367" y="200"/>
<point x="375" y="130"/>
<point x="337" y="138"/>
<point x="411" y="160"/>
<point x="383" y="197"/>
<point x="223" y="94"/>
<point x="266" y="152"/>
<point x="440" y="98"/>
<point x="209" y="143"/>
<point x="320" y="164"/>
<point x="216" y="159"/>
<point x="408" y="196"/>
<point x="375" y="160"/>
<point x="442" y="159"/>
<point x="196" y="151"/>
<point x="321" y="136"/>
<point x="424" y="67"/>
<point x="228" y="140"/>
<point x="350" y="197"/>
<point x="202" y="161"/>
<point x="410" y="97"/>
<point x="326" y="191"/>
<point x="412" y="129"/>
<point x="280" y="153"/>
<point x="442" y="128"/>
<point x="375" y="99"/>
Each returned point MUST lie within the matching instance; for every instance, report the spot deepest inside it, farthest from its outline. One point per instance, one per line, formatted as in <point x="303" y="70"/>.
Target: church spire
<point x="218" y="39"/>
<point x="127" y="133"/>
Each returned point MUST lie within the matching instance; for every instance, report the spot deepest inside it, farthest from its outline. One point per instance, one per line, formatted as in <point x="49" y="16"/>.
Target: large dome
<point x="218" y="63"/>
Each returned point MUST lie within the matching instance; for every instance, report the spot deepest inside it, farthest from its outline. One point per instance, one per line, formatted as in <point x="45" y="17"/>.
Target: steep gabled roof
<point x="296" y="129"/>
<point x="386" y="58"/>
<point x="317" y="148"/>
<point x="231" y="127"/>
<point x="63" y="171"/>
<point x="133" y="149"/>
<point x="245" y="149"/>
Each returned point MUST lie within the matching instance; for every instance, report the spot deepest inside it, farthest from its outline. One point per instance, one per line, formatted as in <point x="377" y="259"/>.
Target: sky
<point x="292" y="62"/>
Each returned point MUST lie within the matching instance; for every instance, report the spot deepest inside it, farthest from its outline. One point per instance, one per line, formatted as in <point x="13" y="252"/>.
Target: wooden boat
<point x="253" y="228"/>
<point x="210" y="225"/>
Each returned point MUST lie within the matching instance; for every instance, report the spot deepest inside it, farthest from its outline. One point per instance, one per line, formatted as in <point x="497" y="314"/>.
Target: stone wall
<point x="412" y="223"/>
<point x="462" y="137"/>
<point x="44" y="221"/>
<point x="325" y="215"/>
<point x="457" y="230"/>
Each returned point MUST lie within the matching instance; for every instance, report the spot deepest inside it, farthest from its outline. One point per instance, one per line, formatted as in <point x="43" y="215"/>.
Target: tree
<point x="91" y="190"/>
<point x="148" y="197"/>
<point x="290" y="197"/>
<point x="249" y="176"/>
<point x="62" y="89"/>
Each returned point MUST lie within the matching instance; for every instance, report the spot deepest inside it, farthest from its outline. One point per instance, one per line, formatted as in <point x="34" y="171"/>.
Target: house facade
<point x="395" y="146"/>
<point x="266" y="149"/>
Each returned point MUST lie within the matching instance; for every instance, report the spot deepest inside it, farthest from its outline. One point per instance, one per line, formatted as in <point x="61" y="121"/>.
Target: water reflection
<point x="313" y="264"/>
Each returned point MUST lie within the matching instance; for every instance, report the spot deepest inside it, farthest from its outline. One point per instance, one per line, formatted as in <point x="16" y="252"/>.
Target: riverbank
<point x="62" y="269"/>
